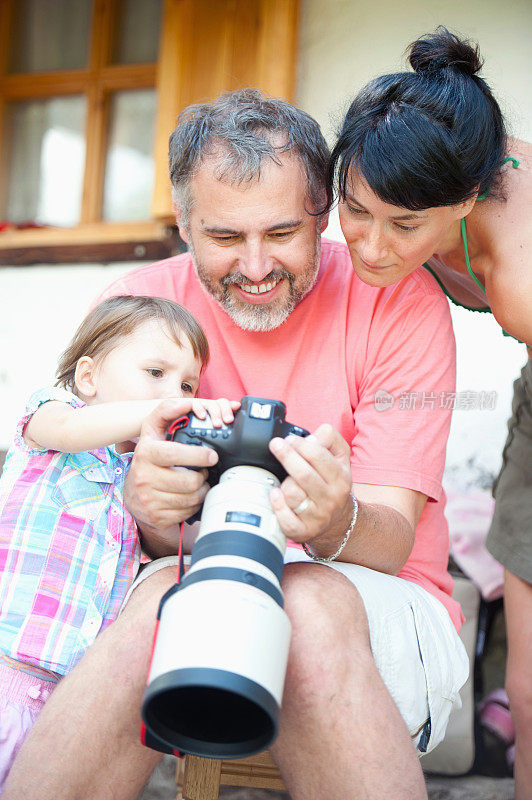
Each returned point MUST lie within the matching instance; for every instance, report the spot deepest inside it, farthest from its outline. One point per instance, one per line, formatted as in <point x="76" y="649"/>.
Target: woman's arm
<point x="507" y="226"/>
<point x="510" y="298"/>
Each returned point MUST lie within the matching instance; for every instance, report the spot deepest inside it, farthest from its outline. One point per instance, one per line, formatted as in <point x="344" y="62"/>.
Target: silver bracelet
<point x="348" y="533"/>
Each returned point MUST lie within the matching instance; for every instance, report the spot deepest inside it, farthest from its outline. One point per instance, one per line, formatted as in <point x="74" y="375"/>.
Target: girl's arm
<point x="58" y="426"/>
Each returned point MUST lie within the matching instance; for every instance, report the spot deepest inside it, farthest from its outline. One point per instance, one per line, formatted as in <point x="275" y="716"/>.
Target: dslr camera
<point x="221" y="645"/>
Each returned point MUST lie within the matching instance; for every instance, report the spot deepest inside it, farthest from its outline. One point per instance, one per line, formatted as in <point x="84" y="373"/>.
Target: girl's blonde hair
<point x="119" y="316"/>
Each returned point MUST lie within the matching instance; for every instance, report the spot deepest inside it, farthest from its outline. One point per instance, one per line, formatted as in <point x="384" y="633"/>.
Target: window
<point x="89" y="93"/>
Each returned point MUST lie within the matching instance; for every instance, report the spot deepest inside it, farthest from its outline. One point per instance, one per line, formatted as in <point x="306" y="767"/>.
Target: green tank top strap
<point x="453" y="300"/>
<point x="466" y="254"/>
<point x="515" y="164"/>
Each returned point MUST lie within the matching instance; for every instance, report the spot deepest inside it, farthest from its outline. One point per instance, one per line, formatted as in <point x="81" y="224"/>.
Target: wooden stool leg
<point x="180" y="777"/>
<point x="202" y="778"/>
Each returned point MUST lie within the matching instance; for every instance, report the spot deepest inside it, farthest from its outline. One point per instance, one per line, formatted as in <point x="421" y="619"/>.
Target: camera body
<point x="244" y="441"/>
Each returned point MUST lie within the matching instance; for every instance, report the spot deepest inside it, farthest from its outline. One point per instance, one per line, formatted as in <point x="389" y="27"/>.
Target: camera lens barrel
<point x="217" y="673"/>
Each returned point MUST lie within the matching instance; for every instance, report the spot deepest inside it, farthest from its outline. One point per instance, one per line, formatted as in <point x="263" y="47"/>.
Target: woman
<point x="427" y="178"/>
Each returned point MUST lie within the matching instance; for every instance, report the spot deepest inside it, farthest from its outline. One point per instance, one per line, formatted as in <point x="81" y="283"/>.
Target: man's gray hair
<point x="244" y="127"/>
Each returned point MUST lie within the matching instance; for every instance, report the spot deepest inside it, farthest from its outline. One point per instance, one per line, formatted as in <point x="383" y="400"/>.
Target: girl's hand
<point x="220" y="411"/>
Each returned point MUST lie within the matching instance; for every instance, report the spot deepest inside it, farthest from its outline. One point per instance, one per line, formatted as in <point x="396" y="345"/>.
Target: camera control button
<point x="225" y="434"/>
<point x="260" y="410"/>
<point x="214" y="434"/>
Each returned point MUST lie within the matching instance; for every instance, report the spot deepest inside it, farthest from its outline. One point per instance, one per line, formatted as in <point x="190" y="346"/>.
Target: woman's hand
<point x="313" y="502"/>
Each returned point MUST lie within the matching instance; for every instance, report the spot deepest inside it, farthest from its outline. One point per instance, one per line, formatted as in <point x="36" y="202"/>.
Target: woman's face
<point x="387" y="242"/>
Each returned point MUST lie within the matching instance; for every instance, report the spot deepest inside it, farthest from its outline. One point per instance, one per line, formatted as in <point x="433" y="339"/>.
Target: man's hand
<point x="159" y="492"/>
<point x="319" y="472"/>
<point x="320" y="479"/>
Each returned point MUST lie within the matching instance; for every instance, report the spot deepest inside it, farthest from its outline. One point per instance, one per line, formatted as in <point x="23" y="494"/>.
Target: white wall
<point x="40" y="308"/>
<point x="345" y="43"/>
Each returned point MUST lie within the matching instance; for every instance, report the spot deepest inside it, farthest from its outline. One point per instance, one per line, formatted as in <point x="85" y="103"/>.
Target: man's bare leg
<point x="85" y="744"/>
<point x="342" y="737"/>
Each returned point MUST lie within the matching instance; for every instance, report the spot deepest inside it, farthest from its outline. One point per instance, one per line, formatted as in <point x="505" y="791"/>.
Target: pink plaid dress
<point x="69" y="549"/>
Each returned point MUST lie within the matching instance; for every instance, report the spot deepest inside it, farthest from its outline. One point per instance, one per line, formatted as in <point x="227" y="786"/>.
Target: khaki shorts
<point x="414" y="643"/>
<point x="510" y="536"/>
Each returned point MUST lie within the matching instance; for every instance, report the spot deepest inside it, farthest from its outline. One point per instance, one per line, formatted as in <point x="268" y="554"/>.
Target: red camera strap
<point x="180" y="422"/>
<point x="180" y="565"/>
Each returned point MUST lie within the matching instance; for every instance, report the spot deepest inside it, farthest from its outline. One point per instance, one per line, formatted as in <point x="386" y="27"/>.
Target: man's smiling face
<point x="255" y="247"/>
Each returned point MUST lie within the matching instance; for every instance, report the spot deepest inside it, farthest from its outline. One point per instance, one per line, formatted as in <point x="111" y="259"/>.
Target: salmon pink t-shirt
<point x="378" y="364"/>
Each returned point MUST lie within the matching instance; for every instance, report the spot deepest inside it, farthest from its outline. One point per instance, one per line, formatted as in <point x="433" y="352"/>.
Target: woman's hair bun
<point x="443" y="49"/>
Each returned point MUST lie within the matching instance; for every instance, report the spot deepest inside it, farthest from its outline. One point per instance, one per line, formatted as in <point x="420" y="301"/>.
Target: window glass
<point x="49" y="35"/>
<point x="129" y="172"/>
<point x="45" y="146"/>
<point x="137" y="31"/>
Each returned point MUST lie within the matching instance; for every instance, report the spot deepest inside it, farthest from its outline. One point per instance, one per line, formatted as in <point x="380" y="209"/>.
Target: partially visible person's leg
<point x="518" y="611"/>
<point x="510" y="541"/>
<point x="510" y="535"/>
<point x="85" y="745"/>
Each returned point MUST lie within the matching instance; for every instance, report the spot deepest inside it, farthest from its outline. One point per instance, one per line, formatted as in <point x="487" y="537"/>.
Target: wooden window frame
<point x="173" y="78"/>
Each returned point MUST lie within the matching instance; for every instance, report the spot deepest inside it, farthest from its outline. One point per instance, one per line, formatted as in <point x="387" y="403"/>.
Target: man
<point x="375" y="662"/>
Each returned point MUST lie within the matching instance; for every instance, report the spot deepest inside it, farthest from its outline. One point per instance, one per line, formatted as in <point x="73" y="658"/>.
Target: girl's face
<point x="387" y="242"/>
<point x="147" y="365"/>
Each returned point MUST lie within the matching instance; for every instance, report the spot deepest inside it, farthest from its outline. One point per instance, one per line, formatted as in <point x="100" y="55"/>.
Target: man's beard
<point x="261" y="317"/>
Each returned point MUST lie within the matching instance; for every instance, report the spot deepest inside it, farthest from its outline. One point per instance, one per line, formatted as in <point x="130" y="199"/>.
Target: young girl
<point x="69" y="549"/>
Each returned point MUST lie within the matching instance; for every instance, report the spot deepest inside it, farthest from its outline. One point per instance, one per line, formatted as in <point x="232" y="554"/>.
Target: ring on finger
<point x="302" y="507"/>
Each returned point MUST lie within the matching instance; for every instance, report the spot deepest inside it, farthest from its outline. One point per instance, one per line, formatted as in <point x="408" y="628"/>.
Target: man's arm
<point x="383" y="535"/>
<point x="389" y="516"/>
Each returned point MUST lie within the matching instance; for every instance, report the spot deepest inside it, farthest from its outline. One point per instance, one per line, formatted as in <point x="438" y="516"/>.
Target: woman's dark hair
<point x="432" y="137"/>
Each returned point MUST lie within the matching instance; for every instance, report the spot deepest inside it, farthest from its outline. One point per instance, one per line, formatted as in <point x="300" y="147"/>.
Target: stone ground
<point x="474" y="787"/>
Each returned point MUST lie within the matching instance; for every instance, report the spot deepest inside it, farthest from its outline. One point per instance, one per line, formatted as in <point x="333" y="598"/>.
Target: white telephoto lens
<point x="219" y="662"/>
